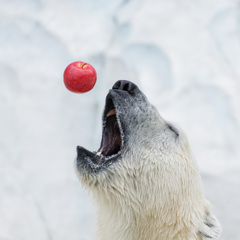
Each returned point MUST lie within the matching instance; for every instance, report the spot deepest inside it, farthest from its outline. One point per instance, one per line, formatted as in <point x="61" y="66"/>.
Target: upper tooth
<point x="111" y="112"/>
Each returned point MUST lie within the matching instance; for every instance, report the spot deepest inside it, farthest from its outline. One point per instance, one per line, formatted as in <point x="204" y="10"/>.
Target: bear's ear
<point x="211" y="227"/>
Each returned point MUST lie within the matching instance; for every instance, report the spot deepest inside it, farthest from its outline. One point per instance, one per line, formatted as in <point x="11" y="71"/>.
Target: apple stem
<point x="84" y="65"/>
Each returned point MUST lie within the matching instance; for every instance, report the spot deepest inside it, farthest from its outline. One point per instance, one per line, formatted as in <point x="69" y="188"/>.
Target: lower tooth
<point x="98" y="153"/>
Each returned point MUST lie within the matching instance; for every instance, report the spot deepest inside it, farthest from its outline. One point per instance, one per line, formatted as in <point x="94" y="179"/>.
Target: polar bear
<point x="144" y="178"/>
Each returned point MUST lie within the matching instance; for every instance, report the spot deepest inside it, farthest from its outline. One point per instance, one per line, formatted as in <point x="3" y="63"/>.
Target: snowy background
<point x="184" y="54"/>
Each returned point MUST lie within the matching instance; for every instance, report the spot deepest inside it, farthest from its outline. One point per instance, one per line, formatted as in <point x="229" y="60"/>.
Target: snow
<point x="185" y="55"/>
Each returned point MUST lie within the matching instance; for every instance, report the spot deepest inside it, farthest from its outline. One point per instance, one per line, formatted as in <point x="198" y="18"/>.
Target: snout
<point x="125" y="105"/>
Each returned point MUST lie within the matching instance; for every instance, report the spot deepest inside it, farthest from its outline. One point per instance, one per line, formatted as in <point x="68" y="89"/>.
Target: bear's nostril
<point x="125" y="86"/>
<point x="117" y="85"/>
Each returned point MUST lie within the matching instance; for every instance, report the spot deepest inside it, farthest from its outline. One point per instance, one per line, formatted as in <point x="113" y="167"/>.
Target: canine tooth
<point x="111" y="112"/>
<point x="98" y="153"/>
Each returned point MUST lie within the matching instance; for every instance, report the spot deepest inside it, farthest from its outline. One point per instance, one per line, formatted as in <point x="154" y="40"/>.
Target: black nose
<point x="125" y="86"/>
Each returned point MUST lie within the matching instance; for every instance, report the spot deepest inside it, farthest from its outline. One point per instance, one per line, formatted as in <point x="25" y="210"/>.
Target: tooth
<point x="111" y="112"/>
<point x="98" y="153"/>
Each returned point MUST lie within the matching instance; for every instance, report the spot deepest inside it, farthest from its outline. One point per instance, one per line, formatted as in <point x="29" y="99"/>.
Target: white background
<point x="185" y="56"/>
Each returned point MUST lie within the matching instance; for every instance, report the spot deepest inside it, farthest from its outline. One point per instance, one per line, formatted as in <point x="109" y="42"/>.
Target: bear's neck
<point x="127" y="223"/>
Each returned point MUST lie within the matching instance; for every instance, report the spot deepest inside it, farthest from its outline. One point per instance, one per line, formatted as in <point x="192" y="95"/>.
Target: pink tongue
<point x="111" y="112"/>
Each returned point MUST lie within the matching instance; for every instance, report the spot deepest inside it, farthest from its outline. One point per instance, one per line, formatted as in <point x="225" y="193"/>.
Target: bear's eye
<point x="173" y="129"/>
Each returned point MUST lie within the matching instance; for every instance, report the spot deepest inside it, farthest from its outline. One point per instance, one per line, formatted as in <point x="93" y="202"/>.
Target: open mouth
<point x="111" y="144"/>
<point x="111" y="137"/>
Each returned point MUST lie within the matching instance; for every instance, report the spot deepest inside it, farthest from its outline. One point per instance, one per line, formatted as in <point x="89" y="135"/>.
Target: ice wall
<point x="185" y="55"/>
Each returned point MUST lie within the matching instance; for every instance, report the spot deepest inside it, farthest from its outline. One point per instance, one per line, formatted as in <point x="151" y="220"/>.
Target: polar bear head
<point x="144" y="179"/>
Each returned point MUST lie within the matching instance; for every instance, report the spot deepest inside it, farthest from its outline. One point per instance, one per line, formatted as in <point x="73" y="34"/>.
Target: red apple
<point x="79" y="77"/>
